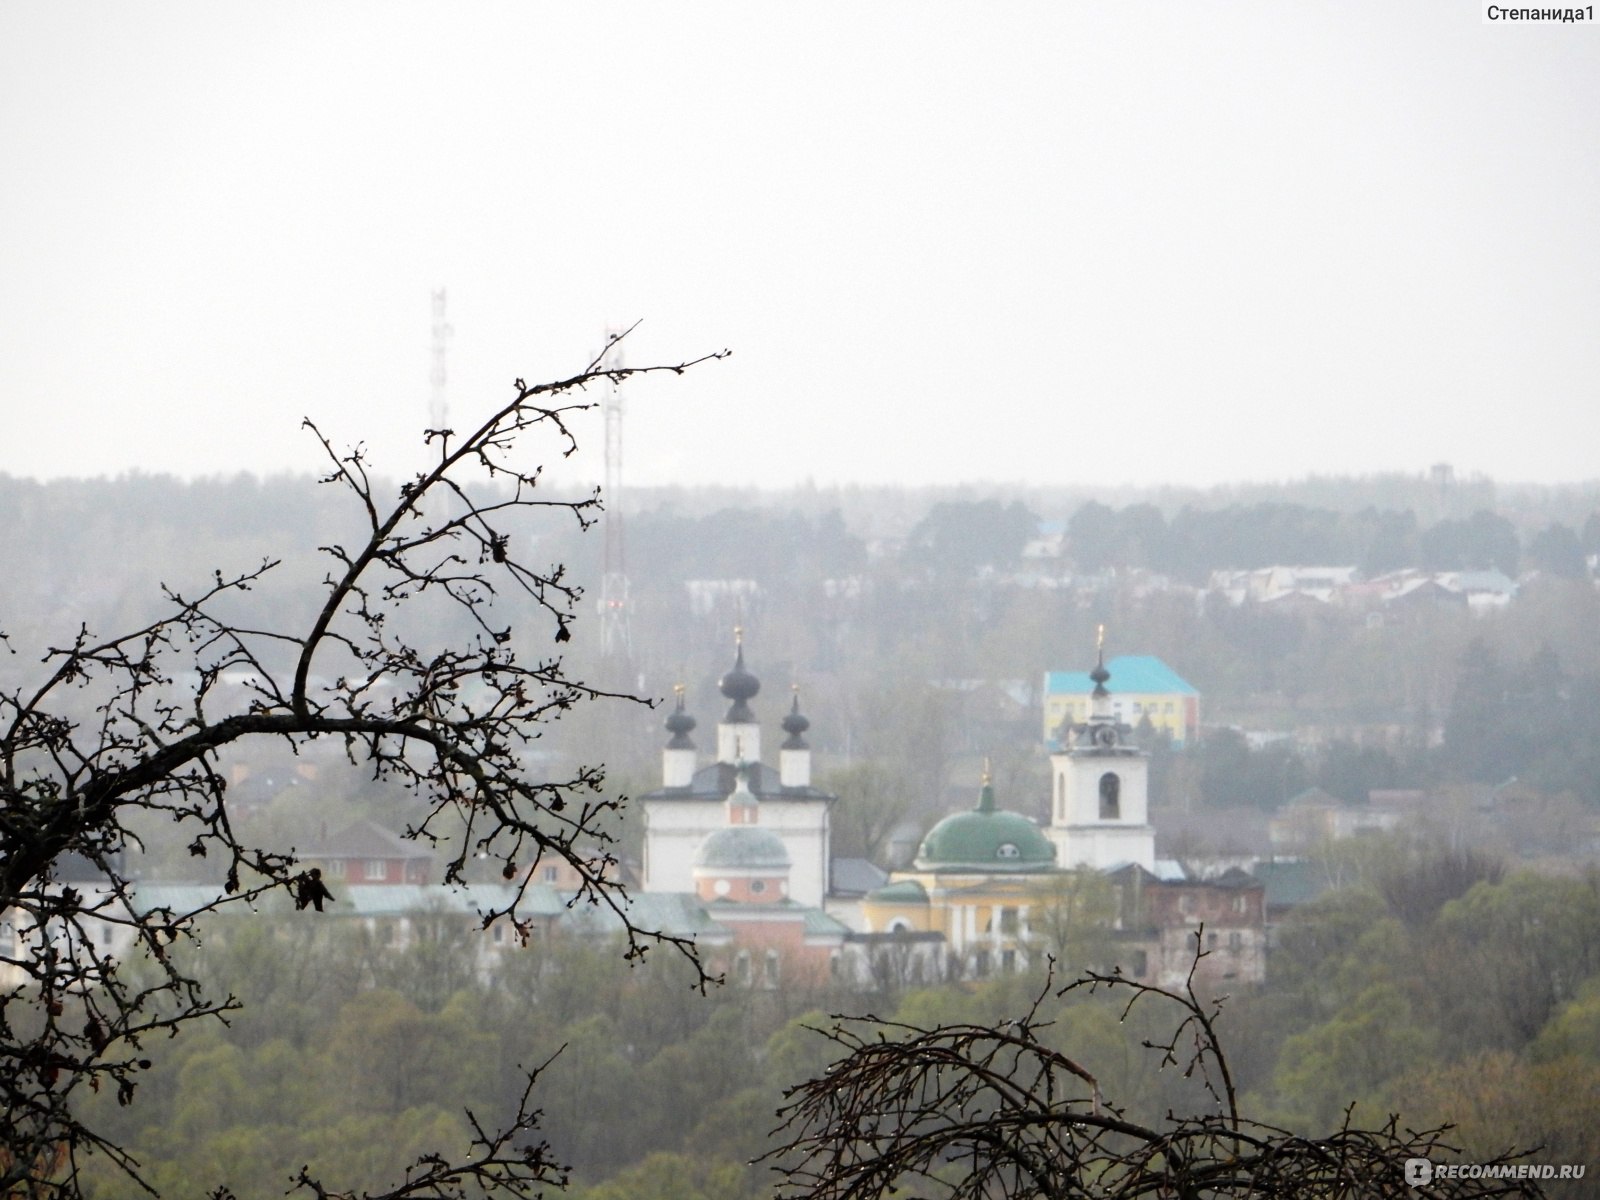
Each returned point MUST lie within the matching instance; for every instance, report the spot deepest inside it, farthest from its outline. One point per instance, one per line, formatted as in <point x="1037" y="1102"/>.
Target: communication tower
<point x="616" y="643"/>
<point x="438" y="406"/>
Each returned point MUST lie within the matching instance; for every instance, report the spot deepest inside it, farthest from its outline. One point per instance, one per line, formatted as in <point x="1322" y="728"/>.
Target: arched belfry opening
<point x="1110" y="797"/>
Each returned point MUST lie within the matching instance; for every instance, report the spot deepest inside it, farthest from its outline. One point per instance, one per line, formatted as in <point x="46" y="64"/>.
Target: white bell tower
<point x="1100" y="790"/>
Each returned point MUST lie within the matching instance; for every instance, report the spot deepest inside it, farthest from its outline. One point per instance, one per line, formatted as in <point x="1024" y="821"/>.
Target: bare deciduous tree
<point x="979" y="1112"/>
<point x="411" y="662"/>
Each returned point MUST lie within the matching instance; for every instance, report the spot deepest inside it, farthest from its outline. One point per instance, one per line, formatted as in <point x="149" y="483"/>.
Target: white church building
<point x="691" y="803"/>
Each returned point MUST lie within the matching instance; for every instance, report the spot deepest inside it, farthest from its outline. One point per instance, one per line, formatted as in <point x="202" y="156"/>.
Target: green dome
<point x="743" y="846"/>
<point x="986" y="839"/>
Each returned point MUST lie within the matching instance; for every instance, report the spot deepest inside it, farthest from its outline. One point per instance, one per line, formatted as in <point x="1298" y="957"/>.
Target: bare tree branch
<point x="974" y="1112"/>
<point x="132" y="725"/>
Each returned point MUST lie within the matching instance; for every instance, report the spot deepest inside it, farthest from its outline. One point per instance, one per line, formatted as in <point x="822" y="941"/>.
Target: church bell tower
<point x="1100" y="789"/>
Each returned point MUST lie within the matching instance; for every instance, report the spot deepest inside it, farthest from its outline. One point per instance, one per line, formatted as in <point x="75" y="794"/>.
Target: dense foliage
<point x="1471" y="999"/>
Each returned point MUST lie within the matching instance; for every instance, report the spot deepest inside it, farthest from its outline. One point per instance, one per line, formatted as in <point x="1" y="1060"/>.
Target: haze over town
<point x="1129" y="243"/>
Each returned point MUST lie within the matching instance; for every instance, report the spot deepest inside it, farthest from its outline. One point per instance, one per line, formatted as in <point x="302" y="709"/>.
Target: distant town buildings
<point x="1289" y="587"/>
<point x="366" y="854"/>
<point x="737" y="855"/>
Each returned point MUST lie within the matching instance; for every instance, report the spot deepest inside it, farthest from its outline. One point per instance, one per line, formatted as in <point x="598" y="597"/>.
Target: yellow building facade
<point x="1146" y="689"/>
<point x="978" y="879"/>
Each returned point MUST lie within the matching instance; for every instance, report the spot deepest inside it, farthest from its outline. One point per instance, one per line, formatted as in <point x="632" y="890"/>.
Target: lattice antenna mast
<point x="616" y="642"/>
<point x="438" y="402"/>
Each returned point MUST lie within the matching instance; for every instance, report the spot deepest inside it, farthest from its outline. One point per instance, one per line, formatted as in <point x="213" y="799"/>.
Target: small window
<point x="741" y="967"/>
<point x="1008" y="961"/>
<point x="551" y="874"/>
<point x="1008" y="850"/>
<point x="1140" y="964"/>
<point x="377" y="869"/>
<point x="336" y="869"/>
<point x="771" y="978"/>
<point x="757" y="886"/>
<point x="1236" y="942"/>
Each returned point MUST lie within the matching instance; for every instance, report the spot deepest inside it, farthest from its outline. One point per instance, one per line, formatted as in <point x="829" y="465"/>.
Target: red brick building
<point x="1161" y="923"/>
<point x="365" y="854"/>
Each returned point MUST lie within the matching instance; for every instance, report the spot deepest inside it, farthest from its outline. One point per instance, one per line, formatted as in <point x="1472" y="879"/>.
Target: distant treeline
<point x="959" y="537"/>
<point x="783" y="536"/>
<point x="1195" y="541"/>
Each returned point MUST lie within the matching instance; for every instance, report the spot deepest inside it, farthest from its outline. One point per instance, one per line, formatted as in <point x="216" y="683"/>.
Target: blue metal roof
<point x="1134" y="674"/>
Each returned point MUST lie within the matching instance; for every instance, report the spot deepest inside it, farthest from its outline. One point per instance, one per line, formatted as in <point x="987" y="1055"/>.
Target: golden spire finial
<point x="738" y="635"/>
<point x="1100" y="637"/>
<point x="988" y="778"/>
<point x="678" y="690"/>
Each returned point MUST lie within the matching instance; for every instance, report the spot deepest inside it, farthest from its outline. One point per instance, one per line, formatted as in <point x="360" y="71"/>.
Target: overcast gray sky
<point x="1065" y="243"/>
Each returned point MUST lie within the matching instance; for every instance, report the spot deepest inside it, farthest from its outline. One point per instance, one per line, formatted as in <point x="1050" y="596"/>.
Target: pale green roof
<point x="819" y="923"/>
<point x="680" y="914"/>
<point x="388" y="900"/>
<point x="904" y="891"/>
<point x="747" y="846"/>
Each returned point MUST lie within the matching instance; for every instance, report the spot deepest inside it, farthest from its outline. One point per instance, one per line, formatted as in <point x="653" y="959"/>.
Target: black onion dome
<point x="739" y="686"/>
<point x="680" y="724"/>
<point x="1100" y="674"/>
<point x="795" y="726"/>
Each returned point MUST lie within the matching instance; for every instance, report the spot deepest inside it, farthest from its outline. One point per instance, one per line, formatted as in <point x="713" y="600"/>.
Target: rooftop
<point x="1129" y="673"/>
